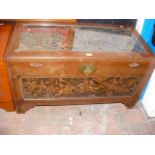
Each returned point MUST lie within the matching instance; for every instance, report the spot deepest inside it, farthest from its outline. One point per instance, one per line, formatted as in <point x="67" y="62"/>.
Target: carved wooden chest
<point x="5" y="91"/>
<point x="62" y="64"/>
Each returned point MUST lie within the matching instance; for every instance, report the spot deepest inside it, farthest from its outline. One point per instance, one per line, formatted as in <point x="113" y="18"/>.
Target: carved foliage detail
<point x="79" y="87"/>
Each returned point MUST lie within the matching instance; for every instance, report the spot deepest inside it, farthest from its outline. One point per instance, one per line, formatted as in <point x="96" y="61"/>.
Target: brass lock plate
<point x="87" y="69"/>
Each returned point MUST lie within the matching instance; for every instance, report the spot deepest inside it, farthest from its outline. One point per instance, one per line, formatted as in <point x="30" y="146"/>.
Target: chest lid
<point x="45" y="39"/>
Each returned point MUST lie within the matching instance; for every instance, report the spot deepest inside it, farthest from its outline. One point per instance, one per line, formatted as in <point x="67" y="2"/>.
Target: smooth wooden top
<point x="5" y="30"/>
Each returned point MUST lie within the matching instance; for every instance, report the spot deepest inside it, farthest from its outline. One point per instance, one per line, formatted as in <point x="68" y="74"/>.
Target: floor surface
<point x="113" y="119"/>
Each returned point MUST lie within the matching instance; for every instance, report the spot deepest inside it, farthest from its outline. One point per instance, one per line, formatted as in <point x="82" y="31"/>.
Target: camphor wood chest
<point x="62" y="64"/>
<point x="5" y="91"/>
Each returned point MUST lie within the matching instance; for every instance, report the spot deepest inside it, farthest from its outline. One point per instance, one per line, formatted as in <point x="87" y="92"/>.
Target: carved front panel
<point x="38" y="88"/>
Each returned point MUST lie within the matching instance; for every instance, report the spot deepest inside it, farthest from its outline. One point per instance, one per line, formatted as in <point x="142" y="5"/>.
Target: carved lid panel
<point x="58" y="37"/>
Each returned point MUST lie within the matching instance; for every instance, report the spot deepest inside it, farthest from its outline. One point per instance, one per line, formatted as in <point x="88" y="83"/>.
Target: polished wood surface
<point x="40" y="20"/>
<point x="61" y="68"/>
<point x="5" y="92"/>
<point x="69" y="77"/>
<point x="4" y="35"/>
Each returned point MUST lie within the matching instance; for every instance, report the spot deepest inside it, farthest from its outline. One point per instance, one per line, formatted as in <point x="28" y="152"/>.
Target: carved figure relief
<point x="79" y="87"/>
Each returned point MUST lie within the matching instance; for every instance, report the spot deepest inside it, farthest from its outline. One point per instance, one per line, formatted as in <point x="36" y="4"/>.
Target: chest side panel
<point x="5" y="91"/>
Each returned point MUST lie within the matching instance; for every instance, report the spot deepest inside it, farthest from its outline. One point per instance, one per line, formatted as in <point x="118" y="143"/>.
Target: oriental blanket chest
<point x="5" y="91"/>
<point x="61" y="64"/>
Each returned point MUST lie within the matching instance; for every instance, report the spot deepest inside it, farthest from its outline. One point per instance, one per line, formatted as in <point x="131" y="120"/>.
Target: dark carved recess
<point x="79" y="87"/>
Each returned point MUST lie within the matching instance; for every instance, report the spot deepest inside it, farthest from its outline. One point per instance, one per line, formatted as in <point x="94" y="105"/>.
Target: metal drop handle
<point x="134" y="65"/>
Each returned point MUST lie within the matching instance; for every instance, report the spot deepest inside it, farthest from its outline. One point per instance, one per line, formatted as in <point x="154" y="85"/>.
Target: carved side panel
<point x="78" y="87"/>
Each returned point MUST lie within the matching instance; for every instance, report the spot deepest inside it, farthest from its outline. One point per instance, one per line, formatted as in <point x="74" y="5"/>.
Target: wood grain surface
<point x="5" y="92"/>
